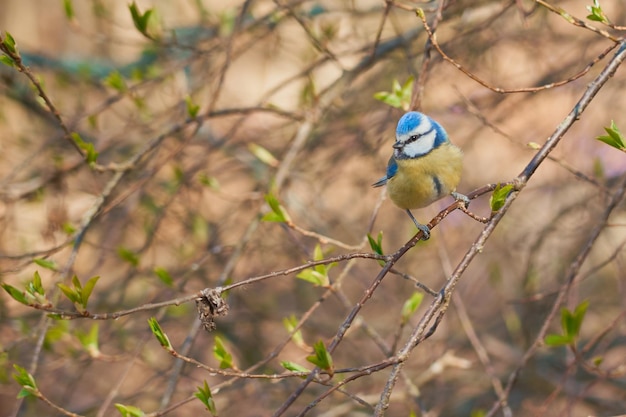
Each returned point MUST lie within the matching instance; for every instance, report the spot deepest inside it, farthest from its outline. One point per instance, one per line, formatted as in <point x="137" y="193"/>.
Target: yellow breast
<point x="424" y="180"/>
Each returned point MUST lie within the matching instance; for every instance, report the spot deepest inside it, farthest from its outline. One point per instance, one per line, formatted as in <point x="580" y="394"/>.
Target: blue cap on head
<point x="408" y="122"/>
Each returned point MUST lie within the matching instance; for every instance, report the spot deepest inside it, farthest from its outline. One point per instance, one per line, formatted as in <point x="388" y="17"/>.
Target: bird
<point x="424" y="167"/>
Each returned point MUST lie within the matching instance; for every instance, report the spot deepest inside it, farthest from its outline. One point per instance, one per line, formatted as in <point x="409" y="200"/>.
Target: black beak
<point x="398" y="145"/>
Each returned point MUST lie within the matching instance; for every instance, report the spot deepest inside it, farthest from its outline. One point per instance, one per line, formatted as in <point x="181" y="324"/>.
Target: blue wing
<point x="392" y="168"/>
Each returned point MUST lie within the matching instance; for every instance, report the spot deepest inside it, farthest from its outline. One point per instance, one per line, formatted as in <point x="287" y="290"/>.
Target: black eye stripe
<point x="414" y="138"/>
<point x="411" y="139"/>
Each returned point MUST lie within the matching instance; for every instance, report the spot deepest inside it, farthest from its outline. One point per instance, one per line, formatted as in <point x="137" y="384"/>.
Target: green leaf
<point x="140" y="20"/>
<point x="317" y="275"/>
<point x="140" y="103"/>
<point x="92" y="120"/>
<point x="328" y="32"/>
<point x="56" y="332"/>
<point x="614" y="137"/>
<point x="68" y="7"/>
<point x="321" y="357"/>
<point x="556" y="340"/>
<point x="388" y="98"/>
<point x="263" y="155"/>
<point x="89" y="340"/>
<point x="78" y="294"/>
<point x="572" y="321"/>
<point x="534" y="145"/>
<point x="615" y="133"/>
<point x="376" y="244"/>
<point x="10" y="50"/>
<point x="411" y="305"/>
<point x="16" y="294"/>
<point x="179" y="177"/>
<point x="400" y="95"/>
<point x="597" y="14"/>
<point x="46" y="263"/>
<point x="92" y="155"/>
<point x="314" y="277"/>
<point x="318" y="255"/>
<point x="7" y="61"/>
<point x="34" y="289"/>
<point x="478" y="413"/>
<point x="88" y="289"/>
<point x="164" y="276"/>
<point x="499" y="196"/>
<point x="68" y="228"/>
<point x="221" y="354"/>
<point x="272" y="217"/>
<point x="76" y="283"/>
<point x="78" y="139"/>
<point x="35" y="286"/>
<point x="90" y="151"/>
<point x="26" y="392"/>
<point x="209" y="181"/>
<point x="159" y="334"/>
<point x="116" y="82"/>
<point x="395" y="87"/>
<point x="308" y="95"/>
<point x="278" y="213"/>
<point x="293" y="367"/>
<point x="290" y="324"/>
<point x="128" y="255"/>
<point x="70" y="293"/>
<point x="9" y="43"/>
<point x="26" y="381"/>
<point x="192" y="108"/>
<point x="129" y="410"/>
<point x="204" y="394"/>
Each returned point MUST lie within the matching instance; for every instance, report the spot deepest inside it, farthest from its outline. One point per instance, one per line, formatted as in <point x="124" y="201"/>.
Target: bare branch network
<point x="188" y="226"/>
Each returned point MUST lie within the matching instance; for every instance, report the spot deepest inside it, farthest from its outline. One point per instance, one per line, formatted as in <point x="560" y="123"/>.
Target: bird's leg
<point x="425" y="230"/>
<point x="462" y="198"/>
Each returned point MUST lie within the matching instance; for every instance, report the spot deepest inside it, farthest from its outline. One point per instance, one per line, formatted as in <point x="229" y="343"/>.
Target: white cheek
<point x="421" y="146"/>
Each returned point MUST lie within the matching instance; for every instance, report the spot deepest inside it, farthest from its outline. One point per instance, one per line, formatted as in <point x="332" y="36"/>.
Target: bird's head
<point x="417" y="135"/>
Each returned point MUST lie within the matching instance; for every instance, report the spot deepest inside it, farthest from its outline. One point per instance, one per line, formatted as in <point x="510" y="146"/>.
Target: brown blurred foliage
<point x="285" y="102"/>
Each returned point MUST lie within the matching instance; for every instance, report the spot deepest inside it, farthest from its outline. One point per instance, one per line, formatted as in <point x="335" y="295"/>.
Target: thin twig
<point x="383" y="19"/>
<point x="446" y="57"/>
<point x="576" y="21"/>
<point x="419" y="85"/>
<point x="17" y="60"/>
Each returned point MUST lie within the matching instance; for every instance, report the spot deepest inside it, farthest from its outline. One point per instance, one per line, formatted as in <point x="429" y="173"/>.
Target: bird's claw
<point x="461" y="198"/>
<point x="425" y="231"/>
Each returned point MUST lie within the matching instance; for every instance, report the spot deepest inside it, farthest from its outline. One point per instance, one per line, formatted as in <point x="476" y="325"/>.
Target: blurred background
<point x="220" y="103"/>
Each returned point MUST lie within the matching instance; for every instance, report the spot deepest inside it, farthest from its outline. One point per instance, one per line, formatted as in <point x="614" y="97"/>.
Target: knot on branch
<point x="210" y="304"/>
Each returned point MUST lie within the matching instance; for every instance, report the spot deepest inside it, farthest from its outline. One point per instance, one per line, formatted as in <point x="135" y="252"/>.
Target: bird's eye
<point x="413" y="138"/>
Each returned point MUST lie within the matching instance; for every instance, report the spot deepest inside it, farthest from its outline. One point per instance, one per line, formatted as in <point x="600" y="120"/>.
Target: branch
<point x="439" y="306"/>
<point x="571" y="274"/>
<point x="433" y="40"/>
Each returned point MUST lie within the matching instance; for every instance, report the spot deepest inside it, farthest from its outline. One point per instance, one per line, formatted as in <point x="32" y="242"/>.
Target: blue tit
<point x="424" y="166"/>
